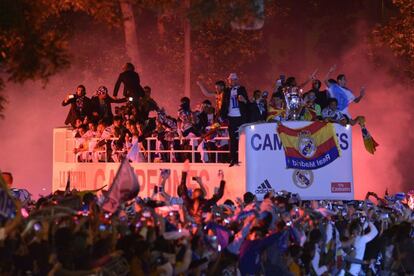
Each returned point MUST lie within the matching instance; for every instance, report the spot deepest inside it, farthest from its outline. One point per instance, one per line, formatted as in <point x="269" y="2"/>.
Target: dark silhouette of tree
<point x="398" y="34"/>
<point x="35" y="35"/>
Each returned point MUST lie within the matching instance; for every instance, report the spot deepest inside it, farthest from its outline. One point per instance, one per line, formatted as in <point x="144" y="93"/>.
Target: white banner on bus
<point x="266" y="165"/>
<point x="91" y="176"/>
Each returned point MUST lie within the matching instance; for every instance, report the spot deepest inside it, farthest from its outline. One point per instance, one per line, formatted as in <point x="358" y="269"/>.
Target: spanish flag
<point x="311" y="147"/>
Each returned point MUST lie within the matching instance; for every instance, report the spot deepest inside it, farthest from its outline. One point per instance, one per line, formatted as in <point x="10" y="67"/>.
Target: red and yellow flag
<point x="311" y="147"/>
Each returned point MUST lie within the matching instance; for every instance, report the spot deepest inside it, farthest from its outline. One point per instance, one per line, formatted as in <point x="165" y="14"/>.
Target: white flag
<point x="204" y="156"/>
<point x="124" y="187"/>
<point x="134" y="153"/>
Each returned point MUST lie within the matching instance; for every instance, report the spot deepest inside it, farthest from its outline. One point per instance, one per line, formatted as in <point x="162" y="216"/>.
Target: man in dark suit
<point x="257" y="108"/>
<point x="80" y="106"/>
<point x="131" y="81"/>
<point x="234" y="108"/>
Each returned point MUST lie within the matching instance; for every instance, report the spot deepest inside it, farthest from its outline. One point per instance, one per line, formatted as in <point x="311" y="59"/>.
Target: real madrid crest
<point x="302" y="179"/>
<point x="306" y="144"/>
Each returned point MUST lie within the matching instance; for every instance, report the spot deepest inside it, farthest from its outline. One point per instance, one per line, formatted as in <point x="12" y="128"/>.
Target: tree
<point x="216" y="47"/>
<point x="130" y="31"/>
<point x="398" y="34"/>
<point x="34" y="35"/>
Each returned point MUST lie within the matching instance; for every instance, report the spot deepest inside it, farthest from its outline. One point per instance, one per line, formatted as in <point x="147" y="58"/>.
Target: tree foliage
<point x="30" y="45"/>
<point x="398" y="34"/>
<point x="216" y="48"/>
<point x="34" y="34"/>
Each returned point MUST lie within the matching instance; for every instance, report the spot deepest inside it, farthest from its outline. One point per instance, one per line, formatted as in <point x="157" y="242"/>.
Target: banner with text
<point x="90" y="176"/>
<point x="266" y="165"/>
<point x="310" y="147"/>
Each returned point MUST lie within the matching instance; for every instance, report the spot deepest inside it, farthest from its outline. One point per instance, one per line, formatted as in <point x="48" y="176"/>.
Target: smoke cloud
<point x="388" y="111"/>
<point x="33" y="111"/>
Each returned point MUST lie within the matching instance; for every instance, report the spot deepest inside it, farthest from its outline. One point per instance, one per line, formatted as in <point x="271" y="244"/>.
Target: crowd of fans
<point x="68" y="233"/>
<point x="104" y="136"/>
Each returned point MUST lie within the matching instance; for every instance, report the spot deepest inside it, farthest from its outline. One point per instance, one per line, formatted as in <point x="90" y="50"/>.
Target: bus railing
<point x="148" y="152"/>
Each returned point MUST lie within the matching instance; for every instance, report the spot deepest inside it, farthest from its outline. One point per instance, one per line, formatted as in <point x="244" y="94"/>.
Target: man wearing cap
<point x="101" y="105"/>
<point x="234" y="109"/>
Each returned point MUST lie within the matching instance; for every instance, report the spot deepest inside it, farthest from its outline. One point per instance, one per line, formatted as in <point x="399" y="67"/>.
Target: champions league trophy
<point x="293" y="102"/>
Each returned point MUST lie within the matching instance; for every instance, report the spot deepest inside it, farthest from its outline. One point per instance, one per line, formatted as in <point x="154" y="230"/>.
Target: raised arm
<point x="165" y="174"/>
<point x="204" y="89"/>
<point x="113" y="100"/>
<point x="311" y="77"/>
<point x="361" y="95"/>
<point x="67" y="100"/>
<point x="328" y="75"/>
<point x="217" y="196"/>
<point x="365" y="206"/>
<point x="373" y="231"/>
<point x="183" y="190"/>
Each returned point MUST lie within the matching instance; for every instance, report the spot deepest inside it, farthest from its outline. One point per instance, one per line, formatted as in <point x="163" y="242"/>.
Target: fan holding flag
<point x="344" y="97"/>
<point x="338" y="90"/>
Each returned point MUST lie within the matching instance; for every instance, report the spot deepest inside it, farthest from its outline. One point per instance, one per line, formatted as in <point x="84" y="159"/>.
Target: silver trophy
<point x="293" y="102"/>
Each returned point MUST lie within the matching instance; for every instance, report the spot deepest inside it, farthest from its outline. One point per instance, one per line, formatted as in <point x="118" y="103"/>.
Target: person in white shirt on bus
<point x="234" y="108"/>
<point x="338" y="89"/>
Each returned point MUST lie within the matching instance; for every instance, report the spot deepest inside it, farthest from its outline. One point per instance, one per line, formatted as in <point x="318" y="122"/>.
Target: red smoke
<point x="32" y="113"/>
<point x="388" y="111"/>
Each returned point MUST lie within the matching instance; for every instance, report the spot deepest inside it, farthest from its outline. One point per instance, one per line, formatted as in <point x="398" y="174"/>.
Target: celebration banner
<point x="311" y="147"/>
<point x="262" y="152"/>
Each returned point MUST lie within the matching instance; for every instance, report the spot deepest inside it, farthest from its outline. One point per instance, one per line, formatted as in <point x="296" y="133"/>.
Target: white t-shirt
<point x="349" y="97"/>
<point x="336" y="115"/>
<point x="234" y="110"/>
<point x="360" y="244"/>
<point x="319" y="270"/>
